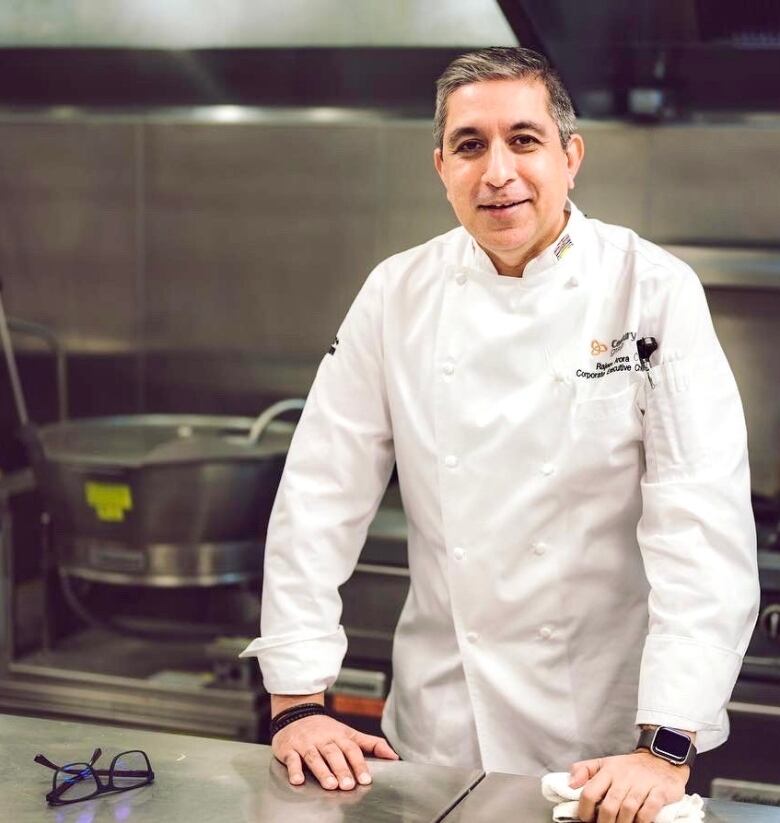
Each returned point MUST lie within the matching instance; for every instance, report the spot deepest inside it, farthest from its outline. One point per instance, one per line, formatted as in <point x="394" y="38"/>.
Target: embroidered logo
<point x="597" y="347"/>
<point x="564" y="244"/>
<point x="617" y="343"/>
<point x="333" y="346"/>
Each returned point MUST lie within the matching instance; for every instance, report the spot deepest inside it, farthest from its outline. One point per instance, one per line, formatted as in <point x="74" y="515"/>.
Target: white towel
<point x="555" y="787"/>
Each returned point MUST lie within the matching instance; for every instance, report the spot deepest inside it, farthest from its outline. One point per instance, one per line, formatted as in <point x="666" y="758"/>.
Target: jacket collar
<point x="569" y="240"/>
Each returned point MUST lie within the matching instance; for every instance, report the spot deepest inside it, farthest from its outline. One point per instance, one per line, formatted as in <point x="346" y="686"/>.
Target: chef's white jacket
<point x="581" y="546"/>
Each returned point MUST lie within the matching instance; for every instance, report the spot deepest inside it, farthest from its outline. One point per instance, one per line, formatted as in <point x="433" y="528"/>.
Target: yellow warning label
<point x="109" y="500"/>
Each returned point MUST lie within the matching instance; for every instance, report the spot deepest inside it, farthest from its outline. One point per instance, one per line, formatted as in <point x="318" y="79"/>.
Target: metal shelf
<point x="728" y="267"/>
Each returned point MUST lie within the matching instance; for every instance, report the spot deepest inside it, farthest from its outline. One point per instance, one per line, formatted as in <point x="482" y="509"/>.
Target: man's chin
<point x="505" y="241"/>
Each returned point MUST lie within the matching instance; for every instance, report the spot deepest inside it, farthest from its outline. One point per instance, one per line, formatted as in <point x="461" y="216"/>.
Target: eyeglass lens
<point x="75" y="781"/>
<point x="130" y="769"/>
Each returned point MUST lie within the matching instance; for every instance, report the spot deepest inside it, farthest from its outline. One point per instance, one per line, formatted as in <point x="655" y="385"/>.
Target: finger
<point x="294" y="768"/>
<point x="357" y="762"/>
<point x="319" y="768"/>
<point x="653" y="804"/>
<point x="582" y="771"/>
<point x="592" y="794"/>
<point x="334" y="757"/>
<point x="610" y="805"/>
<point x="377" y="746"/>
<point x="632" y="803"/>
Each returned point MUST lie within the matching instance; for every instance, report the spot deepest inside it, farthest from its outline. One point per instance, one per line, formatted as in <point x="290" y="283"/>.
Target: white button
<point x="539" y="547"/>
<point x="548" y="469"/>
<point x="545" y="632"/>
<point x="460" y="278"/>
<point x="458" y="553"/>
<point x="448" y="368"/>
<point x="572" y="283"/>
<point x="513" y="304"/>
<point x="450" y="461"/>
<point x="559" y="377"/>
<point x="472" y="637"/>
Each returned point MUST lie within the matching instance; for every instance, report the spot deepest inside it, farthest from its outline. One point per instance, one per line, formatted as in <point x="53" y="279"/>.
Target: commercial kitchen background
<point x="191" y="197"/>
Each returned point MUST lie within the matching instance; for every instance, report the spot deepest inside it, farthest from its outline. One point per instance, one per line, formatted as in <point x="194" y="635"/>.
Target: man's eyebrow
<point x="528" y="125"/>
<point x="471" y="131"/>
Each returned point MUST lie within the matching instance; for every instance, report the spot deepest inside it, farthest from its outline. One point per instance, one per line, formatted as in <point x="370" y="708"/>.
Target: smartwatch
<point x="668" y="744"/>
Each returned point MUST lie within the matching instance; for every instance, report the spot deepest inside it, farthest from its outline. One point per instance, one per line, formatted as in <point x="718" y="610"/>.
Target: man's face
<point x="505" y="172"/>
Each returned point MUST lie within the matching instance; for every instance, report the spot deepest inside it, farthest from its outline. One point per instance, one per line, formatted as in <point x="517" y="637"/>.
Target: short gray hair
<point x="504" y="63"/>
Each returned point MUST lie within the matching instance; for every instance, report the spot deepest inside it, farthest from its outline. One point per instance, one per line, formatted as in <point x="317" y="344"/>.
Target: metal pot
<point x="161" y="500"/>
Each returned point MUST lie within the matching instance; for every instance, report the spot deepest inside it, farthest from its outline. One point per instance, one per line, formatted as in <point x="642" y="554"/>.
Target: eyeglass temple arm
<point x="44" y="761"/>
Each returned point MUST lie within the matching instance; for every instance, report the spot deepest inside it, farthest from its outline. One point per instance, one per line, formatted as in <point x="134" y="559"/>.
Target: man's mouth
<point x="502" y="206"/>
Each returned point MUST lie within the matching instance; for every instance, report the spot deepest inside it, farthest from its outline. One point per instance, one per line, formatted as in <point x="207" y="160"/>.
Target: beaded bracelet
<point x="294" y="713"/>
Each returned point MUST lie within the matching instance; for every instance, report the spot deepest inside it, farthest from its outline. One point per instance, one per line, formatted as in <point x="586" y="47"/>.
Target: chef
<point x="571" y="452"/>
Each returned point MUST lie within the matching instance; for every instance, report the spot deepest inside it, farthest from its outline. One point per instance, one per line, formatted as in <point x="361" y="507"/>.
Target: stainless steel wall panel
<point x="749" y="331"/>
<point x="66" y="229"/>
<point x="223" y="381"/>
<point x="231" y="251"/>
<point x="714" y="184"/>
<point x="257" y="238"/>
<point x="411" y="206"/>
<point x="612" y="182"/>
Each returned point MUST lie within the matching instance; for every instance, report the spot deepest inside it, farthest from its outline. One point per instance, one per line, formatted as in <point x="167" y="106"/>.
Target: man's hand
<point x="631" y="788"/>
<point x="331" y="750"/>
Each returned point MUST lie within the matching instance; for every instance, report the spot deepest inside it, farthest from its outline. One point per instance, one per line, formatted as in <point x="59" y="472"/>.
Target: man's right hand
<point x="331" y="750"/>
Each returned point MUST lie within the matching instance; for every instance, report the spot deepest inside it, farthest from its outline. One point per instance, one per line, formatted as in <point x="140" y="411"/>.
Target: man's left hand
<point x="630" y="788"/>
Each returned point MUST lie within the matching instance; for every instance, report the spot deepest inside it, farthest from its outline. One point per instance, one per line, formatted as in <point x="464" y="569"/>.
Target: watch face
<point x="671" y="744"/>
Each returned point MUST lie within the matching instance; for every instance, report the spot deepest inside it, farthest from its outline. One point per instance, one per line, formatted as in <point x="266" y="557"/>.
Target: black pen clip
<point x="645" y="346"/>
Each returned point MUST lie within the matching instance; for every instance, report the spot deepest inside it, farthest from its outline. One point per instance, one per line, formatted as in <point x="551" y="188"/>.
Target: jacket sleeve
<point x="336" y="471"/>
<point x="697" y="532"/>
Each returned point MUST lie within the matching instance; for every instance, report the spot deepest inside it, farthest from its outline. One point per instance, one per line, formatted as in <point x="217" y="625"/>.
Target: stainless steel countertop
<point x="202" y="779"/>
<point x="199" y="779"/>
<point x="502" y="797"/>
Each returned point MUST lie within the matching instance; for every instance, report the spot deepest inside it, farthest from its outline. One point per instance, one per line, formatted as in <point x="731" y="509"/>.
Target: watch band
<point x="657" y="740"/>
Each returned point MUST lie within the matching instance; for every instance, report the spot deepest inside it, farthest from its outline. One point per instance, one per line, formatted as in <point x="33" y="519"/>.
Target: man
<point x="581" y="544"/>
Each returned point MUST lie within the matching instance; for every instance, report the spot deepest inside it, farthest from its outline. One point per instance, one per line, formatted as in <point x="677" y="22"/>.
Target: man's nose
<point x="500" y="168"/>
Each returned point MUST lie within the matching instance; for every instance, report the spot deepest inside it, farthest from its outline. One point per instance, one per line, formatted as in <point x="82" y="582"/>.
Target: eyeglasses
<point x="80" y="781"/>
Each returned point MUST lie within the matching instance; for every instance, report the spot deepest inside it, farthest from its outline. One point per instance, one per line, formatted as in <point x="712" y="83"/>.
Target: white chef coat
<point x="581" y="546"/>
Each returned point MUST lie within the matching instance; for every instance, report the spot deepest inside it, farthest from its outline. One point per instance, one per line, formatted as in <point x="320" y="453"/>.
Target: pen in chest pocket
<point x="645" y="347"/>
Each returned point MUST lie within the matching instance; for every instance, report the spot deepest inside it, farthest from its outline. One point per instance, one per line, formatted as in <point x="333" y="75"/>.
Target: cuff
<point x="685" y="684"/>
<point x="299" y="663"/>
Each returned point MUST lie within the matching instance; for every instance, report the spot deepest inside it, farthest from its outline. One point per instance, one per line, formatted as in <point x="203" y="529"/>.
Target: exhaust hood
<point x="346" y="53"/>
<point x="654" y="59"/>
<point x="657" y="59"/>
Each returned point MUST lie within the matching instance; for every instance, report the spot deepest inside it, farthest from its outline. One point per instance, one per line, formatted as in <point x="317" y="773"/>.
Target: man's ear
<point x="438" y="162"/>
<point x="575" y="151"/>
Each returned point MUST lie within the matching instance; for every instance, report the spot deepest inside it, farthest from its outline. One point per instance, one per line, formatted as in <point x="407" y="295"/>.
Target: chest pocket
<point x="605" y="435"/>
<point x="598" y="406"/>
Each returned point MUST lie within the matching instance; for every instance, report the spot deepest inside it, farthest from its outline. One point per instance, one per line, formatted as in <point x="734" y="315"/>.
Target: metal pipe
<point x="262" y="422"/>
<point x="55" y="345"/>
<point x="16" y="386"/>
<point x="48" y="564"/>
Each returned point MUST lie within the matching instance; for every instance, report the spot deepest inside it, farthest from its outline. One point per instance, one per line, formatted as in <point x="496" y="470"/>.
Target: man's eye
<point x="524" y="140"/>
<point x="468" y="146"/>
